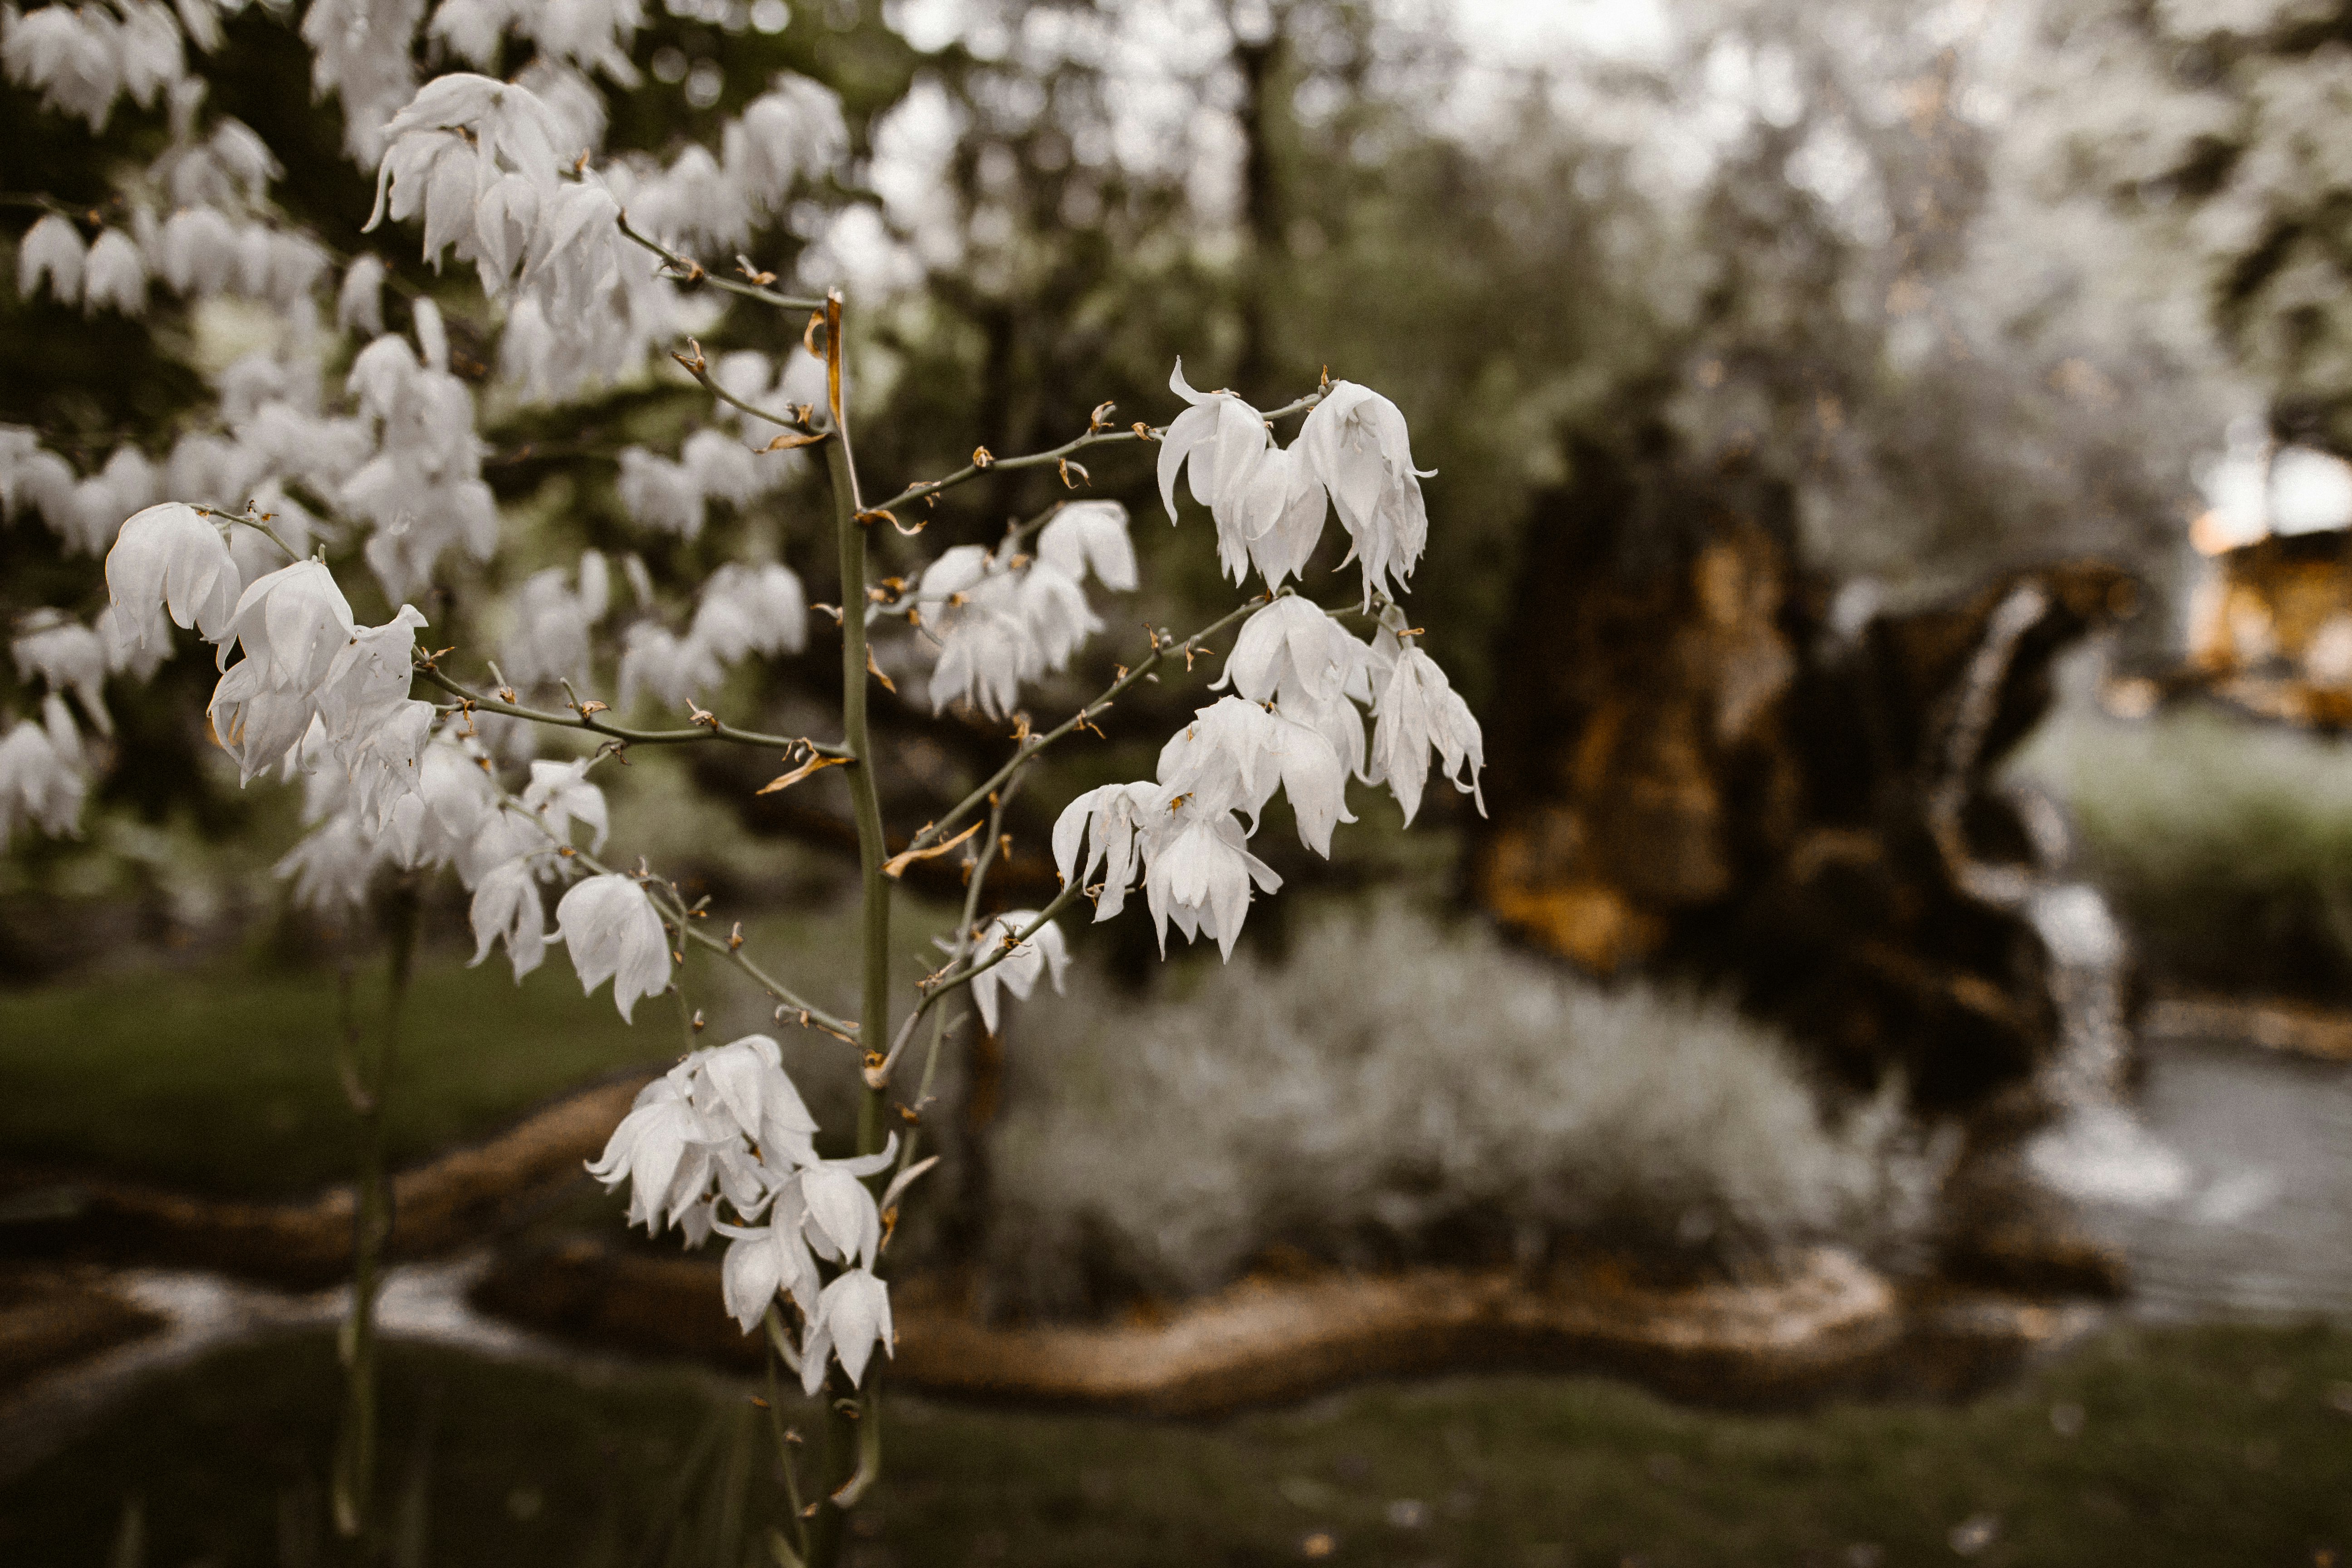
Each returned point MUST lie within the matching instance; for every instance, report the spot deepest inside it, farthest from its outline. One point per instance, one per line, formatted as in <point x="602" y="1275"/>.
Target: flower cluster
<point x="1002" y="618"/>
<point x="1302" y="680"/>
<point x="1352" y="455"/>
<point x="727" y="1126"/>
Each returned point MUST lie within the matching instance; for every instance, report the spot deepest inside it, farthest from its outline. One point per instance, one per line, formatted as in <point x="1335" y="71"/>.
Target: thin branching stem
<point x="688" y="270"/>
<point x="1085" y="715"/>
<point x="712" y="728"/>
<point x="668" y="901"/>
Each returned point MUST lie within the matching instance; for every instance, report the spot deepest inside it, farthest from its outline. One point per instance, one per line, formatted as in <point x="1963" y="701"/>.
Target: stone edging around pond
<point x="2296" y="1028"/>
<point x="454" y="1198"/>
<point x="1831" y="1325"/>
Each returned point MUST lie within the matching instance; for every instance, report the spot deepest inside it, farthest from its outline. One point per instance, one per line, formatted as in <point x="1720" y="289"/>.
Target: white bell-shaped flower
<point x="1052" y="610"/>
<point x="51" y="251"/>
<point x="41" y="778"/>
<point x="257" y="718"/>
<point x="745" y="1080"/>
<point x="843" y="1224"/>
<point x="168" y="558"/>
<point x="68" y="655"/>
<point x="1281" y="519"/>
<point x="1223" y="439"/>
<point x="747" y="609"/>
<point x="294" y="621"/>
<point x="560" y="795"/>
<point x="1357" y="445"/>
<point x="1090" y="536"/>
<point x="114" y="275"/>
<point x="657" y="660"/>
<point x="506" y="908"/>
<point x="613" y="933"/>
<point x="369" y="679"/>
<point x="662" y="1147"/>
<point x="1200" y="876"/>
<point x="331" y="867"/>
<point x="1045" y="953"/>
<point x="1418" y="710"/>
<point x="1107" y="823"/>
<point x="853" y="1315"/>
<point x="1224" y="759"/>
<point x="764" y="1259"/>
<point x="1292" y="653"/>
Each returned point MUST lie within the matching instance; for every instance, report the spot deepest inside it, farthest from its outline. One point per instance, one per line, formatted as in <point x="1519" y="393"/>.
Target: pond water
<point x="2236" y="1199"/>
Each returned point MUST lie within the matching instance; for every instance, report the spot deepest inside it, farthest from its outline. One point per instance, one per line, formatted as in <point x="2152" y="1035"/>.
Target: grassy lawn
<point x="2225" y="843"/>
<point x="2206" y="1446"/>
<point x="224" y="1080"/>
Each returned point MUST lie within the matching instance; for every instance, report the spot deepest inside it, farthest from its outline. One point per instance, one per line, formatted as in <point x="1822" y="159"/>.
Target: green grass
<point x="2206" y="1446"/>
<point x="224" y="1080"/>
<point x="2225" y="844"/>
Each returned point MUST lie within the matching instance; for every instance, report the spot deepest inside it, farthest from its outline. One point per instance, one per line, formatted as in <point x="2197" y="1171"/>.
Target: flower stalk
<point x="367" y="1076"/>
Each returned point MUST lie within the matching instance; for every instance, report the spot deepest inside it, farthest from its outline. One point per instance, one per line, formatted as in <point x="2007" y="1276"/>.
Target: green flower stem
<point x="366" y="1080"/>
<point x="852" y="1456"/>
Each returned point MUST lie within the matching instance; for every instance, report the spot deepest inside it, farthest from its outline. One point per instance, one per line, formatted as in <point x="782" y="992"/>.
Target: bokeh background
<point x="1891" y="522"/>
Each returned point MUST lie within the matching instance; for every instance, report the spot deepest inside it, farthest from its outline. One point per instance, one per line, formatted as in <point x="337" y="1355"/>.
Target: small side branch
<point x="711" y="728"/>
<point x="688" y="270"/>
<point x="1085" y="716"/>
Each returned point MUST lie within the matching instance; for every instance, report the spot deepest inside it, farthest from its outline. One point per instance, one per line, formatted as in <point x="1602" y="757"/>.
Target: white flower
<point x="674" y="668"/>
<point x="1108" y="821"/>
<point x="560" y="795"/>
<point x="68" y="655"/>
<point x="1200" y="876"/>
<point x="507" y="907"/>
<point x="448" y="154"/>
<point x="1224" y="439"/>
<point x="257" y="718"/>
<point x="843" y="1225"/>
<point x="1043" y="953"/>
<point x="614" y="934"/>
<point x="745" y="1080"/>
<point x="749" y="609"/>
<point x="294" y="621"/>
<point x="792" y="131"/>
<point x="72" y="53"/>
<point x="1280" y="517"/>
<point x="660" y="493"/>
<point x="40" y="773"/>
<point x="1357" y="444"/>
<point x="51" y="250"/>
<point x="369" y="679"/>
<point x="114" y="274"/>
<point x="1418" y="709"/>
<point x="986" y="647"/>
<point x="852" y="1317"/>
<point x="169" y="557"/>
<point x="1314" y="780"/>
<point x="384" y="759"/>
<point x="331" y="866"/>
<point x="1052" y="611"/>
<point x="1090" y="535"/>
<point x="358" y="303"/>
<point x="1293" y="653"/>
<point x="765" y="1258"/>
<point x="549" y="641"/>
<point x="1234" y="754"/>
<point x="197" y="253"/>
<point x="662" y="1147"/>
<point x="455" y="783"/>
<point x="723" y="467"/>
<point x="1224" y="759"/>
